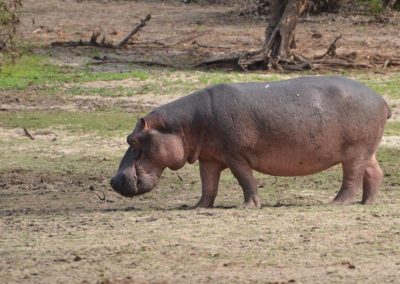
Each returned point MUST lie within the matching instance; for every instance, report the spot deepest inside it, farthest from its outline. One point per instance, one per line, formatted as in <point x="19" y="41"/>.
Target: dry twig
<point x="331" y="49"/>
<point x="26" y="132"/>
<point x="102" y="198"/>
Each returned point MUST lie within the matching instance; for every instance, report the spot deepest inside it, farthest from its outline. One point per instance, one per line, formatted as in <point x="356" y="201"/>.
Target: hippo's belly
<point x="292" y="166"/>
<point x="302" y="159"/>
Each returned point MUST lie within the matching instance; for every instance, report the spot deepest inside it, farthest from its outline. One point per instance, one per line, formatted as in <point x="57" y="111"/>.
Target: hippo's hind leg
<point x="353" y="173"/>
<point x="244" y="174"/>
<point x="210" y="173"/>
<point x="373" y="176"/>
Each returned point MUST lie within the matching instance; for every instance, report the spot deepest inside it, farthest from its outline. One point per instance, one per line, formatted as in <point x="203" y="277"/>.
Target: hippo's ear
<point x="143" y="124"/>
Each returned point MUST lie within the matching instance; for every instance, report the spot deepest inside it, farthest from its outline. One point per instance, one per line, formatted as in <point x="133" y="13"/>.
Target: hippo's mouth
<point x="124" y="185"/>
<point x="128" y="187"/>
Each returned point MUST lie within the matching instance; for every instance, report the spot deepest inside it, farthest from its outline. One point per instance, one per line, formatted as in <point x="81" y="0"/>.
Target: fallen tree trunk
<point x="103" y="44"/>
<point x="134" y="31"/>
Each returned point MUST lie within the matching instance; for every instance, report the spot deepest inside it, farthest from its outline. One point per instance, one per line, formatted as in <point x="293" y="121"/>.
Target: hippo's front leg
<point x="210" y="172"/>
<point x="244" y="174"/>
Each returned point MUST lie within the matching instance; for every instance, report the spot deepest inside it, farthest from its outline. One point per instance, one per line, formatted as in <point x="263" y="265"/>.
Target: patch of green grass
<point x="38" y="70"/>
<point x="389" y="155"/>
<point x="374" y="6"/>
<point x="104" y="92"/>
<point x="392" y="128"/>
<point x="172" y="82"/>
<point x="212" y="78"/>
<point x="389" y="87"/>
<point x="66" y="164"/>
<point x="389" y="161"/>
<point x="103" y="122"/>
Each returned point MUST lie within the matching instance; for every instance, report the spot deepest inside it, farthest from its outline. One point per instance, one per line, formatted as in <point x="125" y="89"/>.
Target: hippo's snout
<point x="124" y="184"/>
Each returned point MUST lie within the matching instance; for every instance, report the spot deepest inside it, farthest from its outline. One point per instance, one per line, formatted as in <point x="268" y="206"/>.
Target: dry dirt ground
<point x="55" y="229"/>
<point x="184" y="34"/>
<point x="61" y="223"/>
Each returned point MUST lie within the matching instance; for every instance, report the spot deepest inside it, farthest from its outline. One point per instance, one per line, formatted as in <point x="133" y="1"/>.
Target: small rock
<point x="77" y="258"/>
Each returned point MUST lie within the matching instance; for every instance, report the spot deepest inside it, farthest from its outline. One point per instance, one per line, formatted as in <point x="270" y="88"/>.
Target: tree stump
<point x="279" y="38"/>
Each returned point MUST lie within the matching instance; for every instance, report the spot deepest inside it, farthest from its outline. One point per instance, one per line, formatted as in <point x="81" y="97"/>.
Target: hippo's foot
<point x="203" y="204"/>
<point x="343" y="198"/>
<point x="353" y="172"/>
<point x="368" y="201"/>
<point x="253" y="202"/>
<point x="340" y="202"/>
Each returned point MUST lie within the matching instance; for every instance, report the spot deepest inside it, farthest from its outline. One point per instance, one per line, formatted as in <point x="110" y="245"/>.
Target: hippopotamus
<point x="294" y="127"/>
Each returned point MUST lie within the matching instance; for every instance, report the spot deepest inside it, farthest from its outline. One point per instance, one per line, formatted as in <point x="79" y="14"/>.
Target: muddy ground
<point x="61" y="223"/>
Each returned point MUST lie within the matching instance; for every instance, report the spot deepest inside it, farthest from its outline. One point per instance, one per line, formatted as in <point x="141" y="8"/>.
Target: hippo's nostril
<point x="124" y="184"/>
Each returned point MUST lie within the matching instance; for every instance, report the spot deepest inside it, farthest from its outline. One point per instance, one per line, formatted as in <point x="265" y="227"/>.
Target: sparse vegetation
<point x="9" y="20"/>
<point x="36" y="70"/>
<point x="375" y="6"/>
<point x="110" y="122"/>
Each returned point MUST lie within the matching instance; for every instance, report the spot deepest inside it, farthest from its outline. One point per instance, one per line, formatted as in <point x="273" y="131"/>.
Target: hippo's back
<point x="304" y="100"/>
<point x="302" y="91"/>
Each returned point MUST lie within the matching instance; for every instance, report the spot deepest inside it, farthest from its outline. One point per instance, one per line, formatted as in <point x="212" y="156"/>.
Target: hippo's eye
<point x="131" y="140"/>
<point x="134" y="143"/>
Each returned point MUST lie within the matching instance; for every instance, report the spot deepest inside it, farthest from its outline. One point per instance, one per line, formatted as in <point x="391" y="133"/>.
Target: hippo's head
<point x="150" y="151"/>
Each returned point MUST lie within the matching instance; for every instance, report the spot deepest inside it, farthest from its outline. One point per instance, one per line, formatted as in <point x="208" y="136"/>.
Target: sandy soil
<point x="56" y="230"/>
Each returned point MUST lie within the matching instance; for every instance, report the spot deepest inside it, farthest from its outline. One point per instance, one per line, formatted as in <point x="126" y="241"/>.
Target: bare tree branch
<point x="133" y="31"/>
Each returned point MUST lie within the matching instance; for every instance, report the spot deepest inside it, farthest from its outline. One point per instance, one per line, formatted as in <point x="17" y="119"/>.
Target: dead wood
<point x="331" y="49"/>
<point x="297" y="62"/>
<point x="153" y="62"/>
<point x="162" y="42"/>
<point x="92" y="42"/>
<point x="256" y="60"/>
<point x="392" y="62"/>
<point x="103" y="44"/>
<point x="230" y="60"/>
<point x="279" y="37"/>
<point x="385" y="62"/>
<point x="339" y="64"/>
<point x="135" y="30"/>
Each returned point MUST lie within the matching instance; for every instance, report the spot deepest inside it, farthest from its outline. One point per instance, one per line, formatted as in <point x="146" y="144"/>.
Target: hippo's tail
<point x="389" y="111"/>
